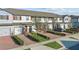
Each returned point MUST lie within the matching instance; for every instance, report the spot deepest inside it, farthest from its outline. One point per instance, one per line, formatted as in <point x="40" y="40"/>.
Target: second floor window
<point x="60" y="19"/>
<point x="66" y="19"/>
<point x="38" y="19"/>
<point x="27" y="17"/>
<point x="5" y="17"/>
<point x="17" y="17"/>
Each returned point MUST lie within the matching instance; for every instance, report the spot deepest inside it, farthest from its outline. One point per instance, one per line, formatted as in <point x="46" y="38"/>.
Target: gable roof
<point x="30" y="13"/>
<point x="73" y="16"/>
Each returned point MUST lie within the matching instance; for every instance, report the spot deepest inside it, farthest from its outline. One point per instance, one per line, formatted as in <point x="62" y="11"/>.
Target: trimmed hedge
<point x="28" y="49"/>
<point x="17" y="40"/>
<point x="37" y="37"/>
<point x="57" y="33"/>
<point x="40" y="35"/>
<point x="43" y="35"/>
<point x="71" y="30"/>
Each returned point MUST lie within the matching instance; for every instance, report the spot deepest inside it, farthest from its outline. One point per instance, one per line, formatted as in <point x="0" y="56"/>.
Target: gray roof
<point x="70" y="15"/>
<point x="30" y="13"/>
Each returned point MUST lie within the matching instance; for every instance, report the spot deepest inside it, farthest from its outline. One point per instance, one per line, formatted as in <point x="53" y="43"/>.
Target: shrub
<point x="37" y="37"/>
<point x="17" y="40"/>
<point x="43" y="35"/>
<point x="57" y="33"/>
<point x="28" y="49"/>
<point x="71" y="30"/>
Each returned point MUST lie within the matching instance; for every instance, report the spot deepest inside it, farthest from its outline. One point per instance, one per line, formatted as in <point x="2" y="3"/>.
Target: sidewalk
<point x="41" y="43"/>
<point x="26" y="40"/>
<point x="34" y="45"/>
<point x="6" y="42"/>
<point x="51" y="36"/>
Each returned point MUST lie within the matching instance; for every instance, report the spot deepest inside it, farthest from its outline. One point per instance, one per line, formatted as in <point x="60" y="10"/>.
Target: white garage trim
<point x="10" y="30"/>
<point x="18" y="30"/>
<point x="5" y="31"/>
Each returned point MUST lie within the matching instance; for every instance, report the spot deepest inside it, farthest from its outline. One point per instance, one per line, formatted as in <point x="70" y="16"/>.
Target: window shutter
<point x="20" y="17"/>
<point x="13" y="17"/>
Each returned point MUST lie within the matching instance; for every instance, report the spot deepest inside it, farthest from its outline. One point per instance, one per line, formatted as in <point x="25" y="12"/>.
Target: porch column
<point x="28" y="28"/>
<point x="12" y="31"/>
<point x="46" y="24"/>
<point x="63" y="23"/>
<point x="53" y="23"/>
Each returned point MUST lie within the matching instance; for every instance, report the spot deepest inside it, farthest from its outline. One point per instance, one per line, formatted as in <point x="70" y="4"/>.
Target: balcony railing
<point x="14" y="22"/>
<point x="19" y="21"/>
<point x="5" y="22"/>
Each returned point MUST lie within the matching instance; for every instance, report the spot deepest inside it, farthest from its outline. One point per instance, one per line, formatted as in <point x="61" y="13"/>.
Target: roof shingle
<point x="30" y="13"/>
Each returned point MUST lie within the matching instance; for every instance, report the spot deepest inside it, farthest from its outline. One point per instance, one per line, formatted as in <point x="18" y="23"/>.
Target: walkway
<point x="76" y="36"/>
<point x="6" y="42"/>
<point x="26" y="40"/>
<point x="66" y="33"/>
<point x="37" y="45"/>
<point x="41" y="47"/>
<point x="51" y="36"/>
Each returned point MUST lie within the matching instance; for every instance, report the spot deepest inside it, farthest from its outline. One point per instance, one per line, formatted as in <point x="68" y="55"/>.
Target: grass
<point x="54" y="45"/>
<point x="38" y="38"/>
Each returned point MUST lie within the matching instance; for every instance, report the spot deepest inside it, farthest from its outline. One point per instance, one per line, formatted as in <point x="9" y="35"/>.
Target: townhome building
<point x="15" y="21"/>
<point x="64" y="22"/>
<point x="70" y="21"/>
<point x="67" y="22"/>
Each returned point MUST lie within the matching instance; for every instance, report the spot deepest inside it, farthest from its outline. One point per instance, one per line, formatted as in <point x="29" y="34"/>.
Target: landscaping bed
<point x="71" y="30"/>
<point x="17" y="40"/>
<point x="37" y="37"/>
<point x="28" y="49"/>
<point x="43" y="35"/>
<point x="56" y="33"/>
<point x="54" y="45"/>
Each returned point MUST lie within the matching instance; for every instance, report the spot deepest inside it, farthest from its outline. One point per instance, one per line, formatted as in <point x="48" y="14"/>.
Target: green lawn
<point x="54" y="45"/>
<point x="38" y="37"/>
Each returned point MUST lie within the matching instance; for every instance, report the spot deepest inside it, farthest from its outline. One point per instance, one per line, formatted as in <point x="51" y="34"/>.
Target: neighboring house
<point x="70" y="21"/>
<point x="14" y="21"/>
<point x="75" y="21"/>
<point x="65" y="22"/>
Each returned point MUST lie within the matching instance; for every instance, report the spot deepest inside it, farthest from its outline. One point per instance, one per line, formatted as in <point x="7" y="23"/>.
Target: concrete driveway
<point x="26" y="40"/>
<point x="6" y="42"/>
<point x="41" y="47"/>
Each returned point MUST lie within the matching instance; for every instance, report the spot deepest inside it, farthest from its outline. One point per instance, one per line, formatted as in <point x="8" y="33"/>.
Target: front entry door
<point x="30" y="28"/>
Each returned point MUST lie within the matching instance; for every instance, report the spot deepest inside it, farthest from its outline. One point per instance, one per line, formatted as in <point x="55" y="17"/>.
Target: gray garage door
<point x="4" y="31"/>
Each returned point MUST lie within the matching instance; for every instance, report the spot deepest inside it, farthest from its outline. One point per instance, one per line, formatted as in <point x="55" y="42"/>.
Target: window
<point x="4" y="17"/>
<point x="27" y="17"/>
<point x="60" y="19"/>
<point x="17" y="17"/>
<point x="49" y="19"/>
<point x="38" y="18"/>
<point x="66" y="19"/>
